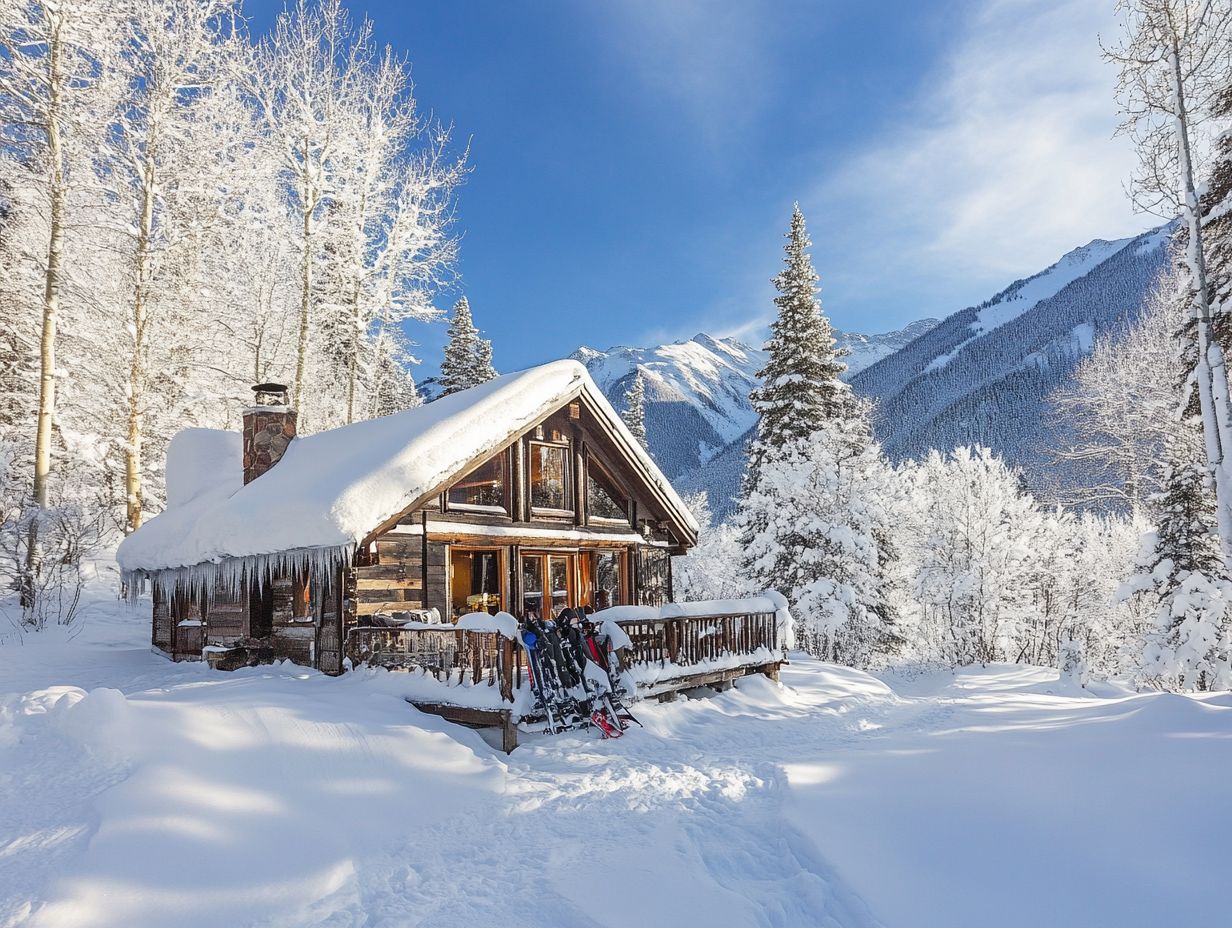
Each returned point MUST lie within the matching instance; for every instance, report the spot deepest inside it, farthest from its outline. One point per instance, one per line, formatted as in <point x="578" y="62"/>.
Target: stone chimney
<point x="269" y="426"/>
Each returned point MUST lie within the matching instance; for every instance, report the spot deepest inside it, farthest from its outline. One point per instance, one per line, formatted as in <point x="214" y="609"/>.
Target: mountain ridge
<point x="697" y="389"/>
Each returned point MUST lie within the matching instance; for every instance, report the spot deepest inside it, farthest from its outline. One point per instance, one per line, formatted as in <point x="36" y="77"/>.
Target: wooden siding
<point x="161" y="626"/>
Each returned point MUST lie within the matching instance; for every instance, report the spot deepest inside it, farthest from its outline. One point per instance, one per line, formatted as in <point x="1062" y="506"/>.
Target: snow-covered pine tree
<point x="812" y="520"/>
<point x="634" y="413"/>
<point x="800" y="387"/>
<point x="483" y="363"/>
<point x="1181" y="573"/>
<point x="1217" y="225"/>
<point x="468" y="357"/>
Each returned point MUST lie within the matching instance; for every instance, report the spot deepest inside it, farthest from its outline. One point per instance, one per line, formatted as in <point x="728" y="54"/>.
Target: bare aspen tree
<point x="1120" y="409"/>
<point x="416" y="257"/>
<point x="166" y="136"/>
<point x="52" y="63"/>
<point x="305" y="77"/>
<point x="1174" y="63"/>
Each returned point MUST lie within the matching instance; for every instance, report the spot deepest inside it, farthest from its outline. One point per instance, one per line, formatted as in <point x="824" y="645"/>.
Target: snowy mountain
<point x="697" y="391"/>
<point x="982" y="375"/>
<point x="864" y="351"/>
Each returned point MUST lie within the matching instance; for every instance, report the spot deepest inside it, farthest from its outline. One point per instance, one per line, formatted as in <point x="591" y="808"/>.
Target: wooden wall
<point x="403" y="573"/>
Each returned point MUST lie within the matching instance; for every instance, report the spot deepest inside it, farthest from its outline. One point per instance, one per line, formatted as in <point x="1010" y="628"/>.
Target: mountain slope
<point x="983" y="374"/>
<point x="697" y="391"/>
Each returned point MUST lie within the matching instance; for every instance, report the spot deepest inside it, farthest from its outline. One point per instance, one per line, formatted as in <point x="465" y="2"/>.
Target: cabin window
<point x="548" y="578"/>
<point x="609" y="574"/>
<point x="301" y="598"/>
<point x="475" y="581"/>
<point x="604" y="501"/>
<point x="549" y="477"/>
<point x="482" y="488"/>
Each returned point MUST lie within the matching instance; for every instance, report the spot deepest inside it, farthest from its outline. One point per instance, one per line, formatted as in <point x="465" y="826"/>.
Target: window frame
<point x="570" y="480"/>
<point x="545" y="556"/>
<point x="600" y="474"/>
<point x="622" y="572"/>
<point x="505" y="508"/>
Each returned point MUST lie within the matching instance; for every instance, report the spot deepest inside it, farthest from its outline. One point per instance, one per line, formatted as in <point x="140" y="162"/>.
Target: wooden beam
<point x="365" y="581"/>
<point x="475" y="718"/>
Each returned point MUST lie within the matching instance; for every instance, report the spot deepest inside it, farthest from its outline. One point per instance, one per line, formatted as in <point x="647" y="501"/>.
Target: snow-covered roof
<point x="332" y="489"/>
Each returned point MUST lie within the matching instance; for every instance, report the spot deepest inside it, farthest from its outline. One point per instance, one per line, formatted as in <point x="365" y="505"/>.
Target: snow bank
<point x="331" y="489"/>
<point x="502" y="623"/>
<point x="203" y="461"/>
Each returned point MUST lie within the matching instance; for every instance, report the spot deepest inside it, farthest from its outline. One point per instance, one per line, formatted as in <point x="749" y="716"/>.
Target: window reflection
<point x="483" y="487"/>
<point x="549" y="476"/>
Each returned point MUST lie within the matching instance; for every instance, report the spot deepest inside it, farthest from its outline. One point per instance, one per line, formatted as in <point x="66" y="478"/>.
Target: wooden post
<point x="509" y="733"/>
<point x="505" y="668"/>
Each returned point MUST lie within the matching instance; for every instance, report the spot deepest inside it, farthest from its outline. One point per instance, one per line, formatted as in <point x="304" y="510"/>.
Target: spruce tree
<point x="484" y="371"/>
<point x="468" y="358"/>
<point x="1182" y="573"/>
<point x="800" y="386"/>
<point x="634" y="413"/>
<point x="812" y="520"/>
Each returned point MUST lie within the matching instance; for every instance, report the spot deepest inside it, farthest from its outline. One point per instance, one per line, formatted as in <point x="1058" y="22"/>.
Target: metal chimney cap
<point x="270" y="394"/>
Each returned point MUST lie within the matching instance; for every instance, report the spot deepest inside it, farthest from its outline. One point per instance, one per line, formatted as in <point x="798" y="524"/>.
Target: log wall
<point x="405" y="573"/>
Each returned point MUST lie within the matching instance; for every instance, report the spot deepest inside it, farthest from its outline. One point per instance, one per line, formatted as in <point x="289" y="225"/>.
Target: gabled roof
<point x="333" y="489"/>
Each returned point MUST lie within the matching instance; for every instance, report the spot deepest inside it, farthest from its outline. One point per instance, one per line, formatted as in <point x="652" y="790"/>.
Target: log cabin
<point x="524" y="492"/>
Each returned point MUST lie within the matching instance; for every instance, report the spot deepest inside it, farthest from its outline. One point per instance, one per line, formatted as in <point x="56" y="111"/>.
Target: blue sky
<point x="635" y="161"/>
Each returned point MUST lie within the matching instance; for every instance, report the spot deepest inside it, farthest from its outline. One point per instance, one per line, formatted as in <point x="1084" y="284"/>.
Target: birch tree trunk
<point x="1210" y="373"/>
<point x="51" y="306"/>
<point x="307" y="206"/>
<point x="133" y="492"/>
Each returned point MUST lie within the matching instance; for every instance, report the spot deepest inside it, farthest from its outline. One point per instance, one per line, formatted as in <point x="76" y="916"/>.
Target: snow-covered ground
<point x="136" y="792"/>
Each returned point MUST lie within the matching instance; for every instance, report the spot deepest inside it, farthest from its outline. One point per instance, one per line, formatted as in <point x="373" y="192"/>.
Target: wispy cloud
<point x="1002" y="160"/>
<point x="711" y="58"/>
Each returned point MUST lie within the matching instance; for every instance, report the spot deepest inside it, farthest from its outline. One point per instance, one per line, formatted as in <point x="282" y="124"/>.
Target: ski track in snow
<point x="276" y="797"/>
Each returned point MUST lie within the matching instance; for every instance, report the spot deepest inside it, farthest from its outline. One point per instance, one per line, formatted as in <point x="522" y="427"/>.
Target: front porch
<point x="477" y="676"/>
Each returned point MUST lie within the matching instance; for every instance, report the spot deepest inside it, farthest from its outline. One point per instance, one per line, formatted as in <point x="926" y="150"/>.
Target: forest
<point x="188" y="210"/>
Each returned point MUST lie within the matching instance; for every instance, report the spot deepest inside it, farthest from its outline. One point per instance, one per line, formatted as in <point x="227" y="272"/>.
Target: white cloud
<point x="710" y="57"/>
<point x="1000" y="162"/>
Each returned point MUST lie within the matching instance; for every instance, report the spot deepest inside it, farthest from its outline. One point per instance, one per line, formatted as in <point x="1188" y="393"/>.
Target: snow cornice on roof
<point x="334" y="489"/>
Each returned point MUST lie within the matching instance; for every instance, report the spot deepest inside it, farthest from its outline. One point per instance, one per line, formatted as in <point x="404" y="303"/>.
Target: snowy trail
<point x="277" y="797"/>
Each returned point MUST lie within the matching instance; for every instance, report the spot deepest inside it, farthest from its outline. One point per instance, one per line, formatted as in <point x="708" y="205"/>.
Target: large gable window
<point x="605" y="502"/>
<point x="482" y="488"/>
<point x="549" y="477"/>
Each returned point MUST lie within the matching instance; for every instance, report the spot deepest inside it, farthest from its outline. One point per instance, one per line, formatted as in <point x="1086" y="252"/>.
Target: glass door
<point x="560" y="577"/>
<point x="549" y="582"/>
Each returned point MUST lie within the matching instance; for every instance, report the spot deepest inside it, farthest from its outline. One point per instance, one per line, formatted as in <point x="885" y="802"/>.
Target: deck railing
<point x="690" y="640"/>
<point x="452" y="655"/>
<point x="458" y="656"/>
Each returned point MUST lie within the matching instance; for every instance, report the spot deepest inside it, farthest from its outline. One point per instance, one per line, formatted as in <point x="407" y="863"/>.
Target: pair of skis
<point x="559" y="668"/>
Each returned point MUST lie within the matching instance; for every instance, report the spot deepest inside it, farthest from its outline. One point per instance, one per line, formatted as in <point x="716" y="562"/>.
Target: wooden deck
<point x="667" y="655"/>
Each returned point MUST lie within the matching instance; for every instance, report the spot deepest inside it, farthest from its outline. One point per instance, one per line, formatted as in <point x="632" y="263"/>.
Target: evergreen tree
<point x="800" y="386"/>
<point x="635" y="408"/>
<point x="484" y="369"/>
<point x="1181" y="574"/>
<point x="812" y="517"/>
<point x="468" y="357"/>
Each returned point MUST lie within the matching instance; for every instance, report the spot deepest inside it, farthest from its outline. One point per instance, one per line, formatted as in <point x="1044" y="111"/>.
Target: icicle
<point x="231" y="576"/>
